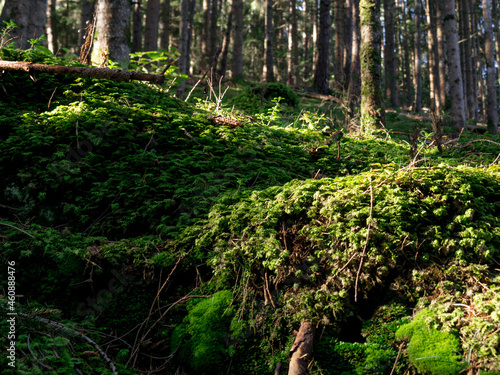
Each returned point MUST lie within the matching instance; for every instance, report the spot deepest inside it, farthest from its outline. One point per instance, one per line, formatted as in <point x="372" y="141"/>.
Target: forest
<point x="249" y="187"/>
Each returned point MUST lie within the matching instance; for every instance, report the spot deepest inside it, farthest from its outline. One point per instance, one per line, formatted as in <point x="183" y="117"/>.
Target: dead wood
<point x="326" y="98"/>
<point x="301" y="349"/>
<point x="101" y="73"/>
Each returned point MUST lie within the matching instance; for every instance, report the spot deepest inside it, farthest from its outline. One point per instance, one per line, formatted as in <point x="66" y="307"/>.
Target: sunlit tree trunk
<point x="496" y="31"/>
<point x="112" y="23"/>
<point x="348" y="32"/>
<point x="165" y="20"/>
<point x="440" y="56"/>
<point x="471" y="91"/>
<point x="355" y="77"/>
<point x="227" y="39"/>
<point x="433" y="71"/>
<point x="137" y="26"/>
<point x="372" y="110"/>
<point x="86" y="17"/>
<point x="339" y="25"/>
<point x="151" y="27"/>
<point x="292" y="53"/>
<point x="237" y="64"/>
<point x="51" y="26"/>
<point x="453" y="63"/>
<point x="489" y="53"/>
<point x="418" y="59"/>
<point x="391" y="84"/>
<point x="267" y="73"/>
<point x="406" y="56"/>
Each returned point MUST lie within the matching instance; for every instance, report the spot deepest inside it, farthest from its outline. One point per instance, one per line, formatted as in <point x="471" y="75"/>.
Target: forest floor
<point x="146" y="234"/>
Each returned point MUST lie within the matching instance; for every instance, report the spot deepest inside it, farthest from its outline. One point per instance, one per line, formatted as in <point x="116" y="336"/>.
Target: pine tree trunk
<point x="86" y="18"/>
<point x="495" y="19"/>
<point x="453" y="63"/>
<point x="391" y="84"/>
<point x="137" y="26"/>
<point x="183" y="45"/>
<point x="227" y="39"/>
<point x="301" y="351"/>
<point x="471" y="91"/>
<point x="418" y="59"/>
<point x="237" y="65"/>
<point x="51" y="26"/>
<point x="433" y="71"/>
<point x="372" y="110"/>
<point x="321" y="73"/>
<point x="112" y="24"/>
<point x="151" y="27"/>
<point x="406" y="53"/>
<point x="347" y="45"/>
<point x="338" y="61"/>
<point x="440" y="56"/>
<point x="489" y="53"/>
<point x="355" y="77"/>
<point x="267" y="73"/>
<point x="165" y="20"/>
<point x="292" y="53"/>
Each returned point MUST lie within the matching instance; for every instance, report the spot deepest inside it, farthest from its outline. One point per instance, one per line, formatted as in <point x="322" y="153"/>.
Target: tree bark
<point x="355" y="77"/>
<point x="100" y="73"/>
<point x="51" y="26"/>
<point x="489" y="53"/>
<point x="321" y="74"/>
<point x="292" y="53"/>
<point x="237" y="64"/>
<point x="301" y="352"/>
<point x="165" y="20"/>
<point x="338" y="63"/>
<point x="453" y="63"/>
<point x="112" y="23"/>
<point x="227" y="40"/>
<point x="137" y="26"/>
<point x="183" y="45"/>
<point x="440" y="56"/>
<point x="391" y="83"/>
<point x="372" y="110"/>
<point x="267" y="72"/>
<point x="433" y="71"/>
<point x="86" y="18"/>
<point x="152" y="23"/>
<point x="418" y="60"/>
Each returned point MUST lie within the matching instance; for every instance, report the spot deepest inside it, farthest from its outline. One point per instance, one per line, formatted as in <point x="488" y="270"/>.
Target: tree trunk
<point x="471" y="92"/>
<point x="301" y="352"/>
<point x="489" y="53"/>
<point x="86" y="18"/>
<point x="183" y="45"/>
<point x="372" y="111"/>
<point x="418" y="60"/>
<point x="237" y="65"/>
<point x="440" y="56"/>
<point x="348" y="32"/>
<point x="137" y="26"/>
<point x="321" y="74"/>
<point x="267" y="72"/>
<point x="406" y="53"/>
<point x="453" y="63"/>
<point x="433" y="71"/>
<point x="338" y="63"/>
<point x="292" y="57"/>
<point x="495" y="19"/>
<point x="227" y="40"/>
<point x="391" y="83"/>
<point x="355" y="78"/>
<point x="151" y="29"/>
<point x="165" y="20"/>
<point x="51" y="26"/>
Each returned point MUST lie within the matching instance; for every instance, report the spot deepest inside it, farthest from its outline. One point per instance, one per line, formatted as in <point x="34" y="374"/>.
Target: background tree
<point x="165" y="19"/>
<point x="151" y="27"/>
<point x="391" y="83"/>
<point x="417" y="70"/>
<point x="137" y="26"/>
<point x="489" y="54"/>
<point x="183" y="45"/>
<point x="453" y="63"/>
<point x="237" y="64"/>
<point x="372" y="110"/>
<point x="268" y="70"/>
<point x="321" y="75"/>
<point x="339" y="27"/>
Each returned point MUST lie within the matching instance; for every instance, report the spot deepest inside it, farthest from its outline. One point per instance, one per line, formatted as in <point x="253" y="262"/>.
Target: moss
<point x="430" y="350"/>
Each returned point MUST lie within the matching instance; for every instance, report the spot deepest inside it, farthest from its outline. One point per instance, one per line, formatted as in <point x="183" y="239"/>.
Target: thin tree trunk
<point x="453" y="63"/>
<point x="183" y="45"/>
<point x="268" y="74"/>
<point x="391" y="84"/>
<point x="227" y="40"/>
<point x="489" y="53"/>
<point x="348" y="32"/>
<point x="433" y="71"/>
<point x="355" y="78"/>
<point x="152" y="23"/>
<point x="440" y="56"/>
<point x="292" y="63"/>
<point x="469" y="72"/>
<point x="406" y="51"/>
<point x="165" y="20"/>
<point x="87" y="17"/>
<point x="237" y="65"/>
<point x="418" y="59"/>
<point x="301" y="352"/>
<point x="495" y="19"/>
<point x="339" y="16"/>
<point x="321" y="74"/>
<point x="213" y="29"/>
<point x="51" y="26"/>
<point x="372" y="110"/>
<point x="137" y="26"/>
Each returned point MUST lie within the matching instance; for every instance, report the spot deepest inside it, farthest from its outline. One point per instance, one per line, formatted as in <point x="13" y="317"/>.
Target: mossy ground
<point x="135" y="219"/>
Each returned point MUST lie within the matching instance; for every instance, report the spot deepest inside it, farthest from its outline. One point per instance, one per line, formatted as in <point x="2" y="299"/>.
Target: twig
<point x="20" y="230"/>
<point x="397" y="358"/>
<point x="194" y="140"/>
<point x="366" y="243"/>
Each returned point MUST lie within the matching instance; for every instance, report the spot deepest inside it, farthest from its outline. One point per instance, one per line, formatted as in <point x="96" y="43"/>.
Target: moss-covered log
<point x="102" y="73"/>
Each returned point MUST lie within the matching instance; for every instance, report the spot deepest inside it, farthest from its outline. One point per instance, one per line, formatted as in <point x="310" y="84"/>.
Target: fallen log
<point x="300" y="354"/>
<point x="101" y="73"/>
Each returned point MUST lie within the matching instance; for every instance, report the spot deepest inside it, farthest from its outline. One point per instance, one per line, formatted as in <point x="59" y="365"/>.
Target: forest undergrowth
<point x="156" y="235"/>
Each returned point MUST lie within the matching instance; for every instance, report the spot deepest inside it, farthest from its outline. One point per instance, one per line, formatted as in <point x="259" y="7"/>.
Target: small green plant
<point x="5" y="34"/>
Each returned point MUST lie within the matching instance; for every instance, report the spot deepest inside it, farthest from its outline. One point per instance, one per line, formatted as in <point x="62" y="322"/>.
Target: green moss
<point x="431" y="350"/>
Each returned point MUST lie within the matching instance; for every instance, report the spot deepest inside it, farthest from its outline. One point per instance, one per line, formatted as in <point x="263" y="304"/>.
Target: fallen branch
<point x="101" y="73"/>
<point x="300" y="354"/>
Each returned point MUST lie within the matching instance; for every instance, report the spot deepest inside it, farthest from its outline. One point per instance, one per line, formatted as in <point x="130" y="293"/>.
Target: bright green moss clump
<point x="430" y="350"/>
